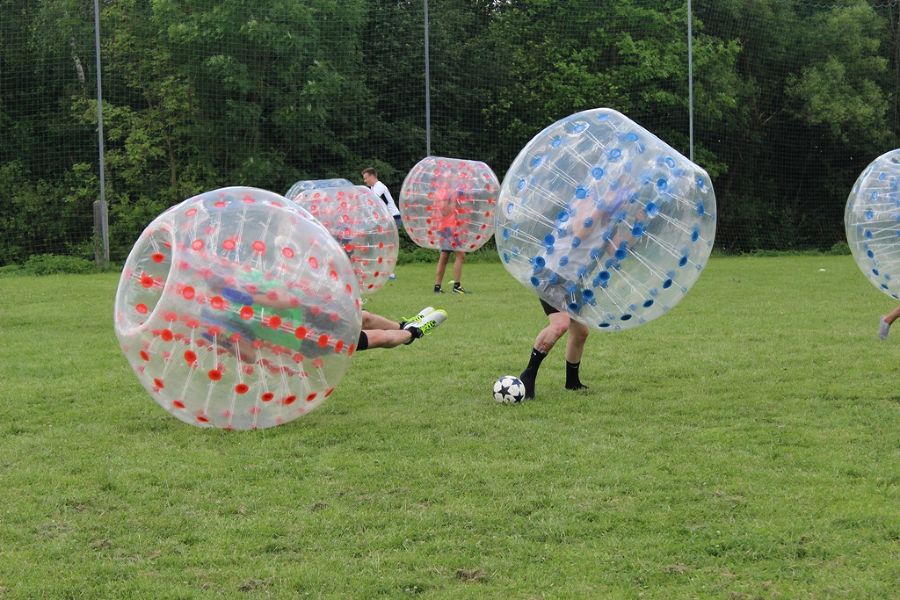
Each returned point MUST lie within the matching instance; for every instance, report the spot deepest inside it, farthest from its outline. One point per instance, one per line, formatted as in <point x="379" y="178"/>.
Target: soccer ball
<point x="509" y="389"/>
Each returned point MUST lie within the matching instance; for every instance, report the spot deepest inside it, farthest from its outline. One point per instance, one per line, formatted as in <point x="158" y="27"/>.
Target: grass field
<point x="745" y="445"/>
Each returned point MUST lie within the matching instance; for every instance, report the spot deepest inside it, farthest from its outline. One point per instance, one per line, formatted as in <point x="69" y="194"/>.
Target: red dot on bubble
<point x="248" y="199"/>
<point x="203" y="418"/>
<point x="141" y="308"/>
<point x="178" y="404"/>
<point x="301" y="332"/>
<point x="197" y="244"/>
<point x="287" y="252"/>
<point x="297" y="357"/>
<point x="318" y="363"/>
<point x="188" y="292"/>
<point x="146" y="281"/>
<point x="229" y="244"/>
<point x="170" y="316"/>
<point x="313" y="262"/>
<point x="323" y="340"/>
<point x="217" y="302"/>
<point x="215" y="374"/>
<point x="274" y="322"/>
<point x="167" y="335"/>
<point x="311" y="397"/>
<point x="288" y="400"/>
<point x="158" y="383"/>
<point x="247" y="313"/>
<point x="339" y="346"/>
<point x="191" y="212"/>
<point x="242" y="388"/>
<point x="158" y="257"/>
<point x="259" y="246"/>
<point x="145" y="356"/>
<point x="190" y="356"/>
<point x="267" y="397"/>
<point x="220" y="204"/>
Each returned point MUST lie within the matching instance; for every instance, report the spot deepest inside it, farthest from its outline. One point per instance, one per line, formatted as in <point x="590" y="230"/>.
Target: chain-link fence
<point x="789" y="100"/>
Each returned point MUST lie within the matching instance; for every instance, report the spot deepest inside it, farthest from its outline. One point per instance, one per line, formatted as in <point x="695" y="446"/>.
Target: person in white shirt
<point x="381" y="191"/>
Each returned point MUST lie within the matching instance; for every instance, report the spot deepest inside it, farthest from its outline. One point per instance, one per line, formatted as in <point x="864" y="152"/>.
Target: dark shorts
<point x="363" y="342"/>
<point x="548" y="310"/>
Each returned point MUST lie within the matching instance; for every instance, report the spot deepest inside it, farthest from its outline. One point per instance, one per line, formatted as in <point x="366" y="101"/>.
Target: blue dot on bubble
<point x="695" y="234"/>
<point x="626" y="317"/>
<point x="549" y="240"/>
<point x="588" y="295"/>
<point x="535" y="281"/>
<point x="637" y="230"/>
<point x="651" y="209"/>
<point x="564" y="261"/>
<point x="870" y="254"/>
<point x="556" y="142"/>
<point x="870" y="215"/>
<point x="661" y="184"/>
<point x="667" y="284"/>
<point x="506" y="257"/>
<point x="576" y="241"/>
<point x="538" y="262"/>
<point x="648" y="303"/>
<point x="604" y="325"/>
<point x="670" y="162"/>
<point x="505" y="233"/>
<point x="536" y="161"/>
<point x="614" y="154"/>
<point x="868" y="234"/>
<point x="554" y="278"/>
<point x="631" y="137"/>
<point x="521" y="184"/>
<point x="597" y="172"/>
<point x="700" y="209"/>
<point x="580" y="192"/>
<point x="621" y="252"/>
<point x="682" y="261"/>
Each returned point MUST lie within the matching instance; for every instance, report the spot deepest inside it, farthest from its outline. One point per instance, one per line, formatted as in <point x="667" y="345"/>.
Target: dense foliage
<point x="791" y="99"/>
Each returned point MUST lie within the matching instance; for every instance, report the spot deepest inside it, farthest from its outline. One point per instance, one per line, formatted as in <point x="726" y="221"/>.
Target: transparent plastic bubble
<point x="237" y="310"/>
<point x="872" y="222"/>
<point x="363" y="227"/>
<point x="313" y="184"/>
<point x="449" y="203"/>
<point x="604" y="220"/>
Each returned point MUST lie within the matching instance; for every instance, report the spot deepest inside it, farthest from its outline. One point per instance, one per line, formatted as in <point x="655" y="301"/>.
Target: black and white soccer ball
<point x="509" y="389"/>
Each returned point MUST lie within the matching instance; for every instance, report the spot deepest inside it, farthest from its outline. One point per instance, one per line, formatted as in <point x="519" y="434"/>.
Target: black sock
<point x="572" y="380"/>
<point x="456" y="285"/>
<point x="529" y="375"/>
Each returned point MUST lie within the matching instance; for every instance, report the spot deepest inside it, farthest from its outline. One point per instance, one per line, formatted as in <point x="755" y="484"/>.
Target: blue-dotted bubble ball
<point x="872" y="222"/>
<point x="313" y="184"/>
<point x="509" y="389"/>
<point x="604" y="220"/>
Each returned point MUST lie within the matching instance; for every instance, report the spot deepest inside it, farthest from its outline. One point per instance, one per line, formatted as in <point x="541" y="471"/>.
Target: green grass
<point x="745" y="445"/>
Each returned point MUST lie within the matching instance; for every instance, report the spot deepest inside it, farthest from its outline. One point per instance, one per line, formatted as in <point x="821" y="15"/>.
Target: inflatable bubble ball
<point x="237" y="310"/>
<point x="872" y="222"/>
<point x="602" y="219"/>
<point x="313" y="184"/>
<point x="449" y="204"/>
<point x="363" y="227"/>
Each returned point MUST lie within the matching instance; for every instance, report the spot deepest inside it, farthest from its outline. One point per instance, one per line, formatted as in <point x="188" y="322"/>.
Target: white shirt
<point x="384" y="194"/>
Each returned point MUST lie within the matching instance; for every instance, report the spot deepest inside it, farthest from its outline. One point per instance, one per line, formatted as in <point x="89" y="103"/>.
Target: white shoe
<point x="427" y="325"/>
<point x="419" y="317"/>
<point x="884" y="328"/>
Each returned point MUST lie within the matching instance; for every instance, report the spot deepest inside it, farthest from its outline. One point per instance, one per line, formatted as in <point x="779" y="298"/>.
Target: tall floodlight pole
<point x="101" y="213"/>
<point x="427" y="90"/>
<point x="690" y="79"/>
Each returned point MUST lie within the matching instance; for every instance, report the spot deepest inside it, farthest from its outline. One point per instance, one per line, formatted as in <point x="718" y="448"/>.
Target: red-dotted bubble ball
<point x="448" y="203"/>
<point x="210" y="300"/>
<point x="362" y="225"/>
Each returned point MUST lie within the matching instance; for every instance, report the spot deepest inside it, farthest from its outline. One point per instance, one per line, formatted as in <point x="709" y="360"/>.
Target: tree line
<point x="792" y="99"/>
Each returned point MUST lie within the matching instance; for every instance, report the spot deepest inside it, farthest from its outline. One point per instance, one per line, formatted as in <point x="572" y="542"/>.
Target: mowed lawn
<point x="745" y="445"/>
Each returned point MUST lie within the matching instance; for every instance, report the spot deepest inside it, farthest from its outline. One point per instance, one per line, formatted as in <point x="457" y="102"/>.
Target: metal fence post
<point x="101" y="212"/>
